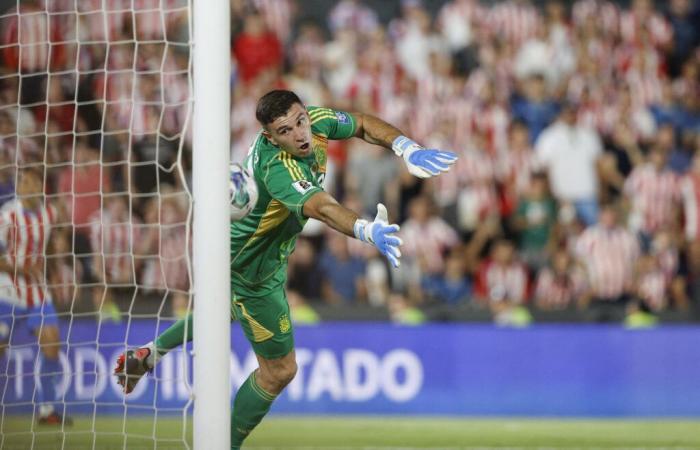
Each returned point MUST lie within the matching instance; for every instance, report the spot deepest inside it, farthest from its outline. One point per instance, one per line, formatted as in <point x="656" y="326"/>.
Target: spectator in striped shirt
<point x="651" y="284"/>
<point x="560" y="285"/>
<point x="608" y="252"/>
<point x="114" y="236"/>
<point x="502" y="278"/>
<point x="653" y="192"/>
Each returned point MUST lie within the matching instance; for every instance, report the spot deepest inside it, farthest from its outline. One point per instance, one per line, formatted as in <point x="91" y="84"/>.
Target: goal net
<point x="95" y="208"/>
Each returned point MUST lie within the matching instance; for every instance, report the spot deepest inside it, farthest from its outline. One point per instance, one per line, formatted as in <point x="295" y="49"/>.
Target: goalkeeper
<point x="288" y="164"/>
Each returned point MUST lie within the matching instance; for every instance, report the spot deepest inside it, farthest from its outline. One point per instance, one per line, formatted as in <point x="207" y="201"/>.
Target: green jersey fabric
<point x="262" y="241"/>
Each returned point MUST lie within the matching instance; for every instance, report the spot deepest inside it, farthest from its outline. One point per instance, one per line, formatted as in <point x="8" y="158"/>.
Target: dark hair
<point x="275" y="104"/>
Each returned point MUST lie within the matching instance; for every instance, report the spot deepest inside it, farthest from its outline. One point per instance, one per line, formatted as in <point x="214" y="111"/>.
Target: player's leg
<point x="44" y="322"/>
<point x="134" y="364"/>
<point x="266" y="324"/>
<point x="256" y="395"/>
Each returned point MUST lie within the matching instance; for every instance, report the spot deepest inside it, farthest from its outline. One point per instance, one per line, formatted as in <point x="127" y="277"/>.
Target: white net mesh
<point x="95" y="228"/>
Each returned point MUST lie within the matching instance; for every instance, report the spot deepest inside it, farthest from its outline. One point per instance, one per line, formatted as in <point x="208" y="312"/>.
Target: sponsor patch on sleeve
<point x="342" y="117"/>
<point x="302" y="186"/>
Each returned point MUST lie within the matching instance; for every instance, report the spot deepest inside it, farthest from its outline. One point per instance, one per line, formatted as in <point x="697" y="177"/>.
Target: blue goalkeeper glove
<point x="422" y="162"/>
<point x="380" y="234"/>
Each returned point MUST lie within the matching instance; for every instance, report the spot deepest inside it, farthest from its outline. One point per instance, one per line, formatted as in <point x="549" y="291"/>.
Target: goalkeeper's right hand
<point x="380" y="234"/>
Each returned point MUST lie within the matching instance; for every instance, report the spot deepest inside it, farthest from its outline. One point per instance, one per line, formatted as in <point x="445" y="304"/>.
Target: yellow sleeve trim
<point x="319" y="111"/>
<point x="317" y="119"/>
<point x="291" y="166"/>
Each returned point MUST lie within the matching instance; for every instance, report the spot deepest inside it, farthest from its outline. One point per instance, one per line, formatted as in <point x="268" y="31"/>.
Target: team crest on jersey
<point x="342" y="117"/>
<point x="285" y="324"/>
<point x="302" y="186"/>
<point x="321" y="158"/>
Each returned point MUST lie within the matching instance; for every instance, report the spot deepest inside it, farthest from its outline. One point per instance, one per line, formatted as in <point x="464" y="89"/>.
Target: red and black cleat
<point x="55" y="419"/>
<point x="131" y="366"/>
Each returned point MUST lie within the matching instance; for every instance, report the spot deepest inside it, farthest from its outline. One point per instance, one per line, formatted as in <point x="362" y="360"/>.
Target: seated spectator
<point x="651" y="284"/>
<point x="665" y="251"/>
<point x="451" y="287"/>
<point x="608" y="252"/>
<point x="502" y="278"/>
<point x="690" y="193"/>
<point x="534" y="220"/>
<point x="559" y="285"/>
<point x="343" y="279"/>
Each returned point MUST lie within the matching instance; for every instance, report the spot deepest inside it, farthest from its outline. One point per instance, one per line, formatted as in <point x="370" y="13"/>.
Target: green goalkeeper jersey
<point x="263" y="240"/>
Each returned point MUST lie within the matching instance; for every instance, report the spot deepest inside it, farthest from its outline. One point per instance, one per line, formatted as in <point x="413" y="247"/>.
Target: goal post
<point x="211" y="153"/>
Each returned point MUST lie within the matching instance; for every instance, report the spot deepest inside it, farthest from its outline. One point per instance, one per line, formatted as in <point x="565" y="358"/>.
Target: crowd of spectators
<point x="577" y="125"/>
<point x="95" y="97"/>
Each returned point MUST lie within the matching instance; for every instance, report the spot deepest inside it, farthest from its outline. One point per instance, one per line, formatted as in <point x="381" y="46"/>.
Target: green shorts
<point x="266" y="323"/>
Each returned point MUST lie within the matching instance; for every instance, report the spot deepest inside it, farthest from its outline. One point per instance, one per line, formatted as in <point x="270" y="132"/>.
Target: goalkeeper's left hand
<point x="423" y="162"/>
<point x="380" y="233"/>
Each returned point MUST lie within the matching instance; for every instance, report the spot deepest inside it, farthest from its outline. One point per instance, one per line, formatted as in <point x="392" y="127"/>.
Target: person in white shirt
<point x="569" y="152"/>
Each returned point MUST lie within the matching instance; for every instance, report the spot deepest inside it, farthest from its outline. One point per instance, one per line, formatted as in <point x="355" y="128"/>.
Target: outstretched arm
<point x="379" y="232"/>
<point x="421" y="162"/>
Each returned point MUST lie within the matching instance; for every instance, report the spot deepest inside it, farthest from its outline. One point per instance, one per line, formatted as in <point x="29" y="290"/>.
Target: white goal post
<point x="212" y="331"/>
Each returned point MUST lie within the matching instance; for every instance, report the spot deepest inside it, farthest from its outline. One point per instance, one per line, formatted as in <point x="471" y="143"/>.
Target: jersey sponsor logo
<point x="342" y="117"/>
<point x="302" y="186"/>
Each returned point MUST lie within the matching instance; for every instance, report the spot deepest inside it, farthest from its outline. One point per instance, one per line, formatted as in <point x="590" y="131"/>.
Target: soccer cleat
<point x="131" y="366"/>
<point x="55" y="419"/>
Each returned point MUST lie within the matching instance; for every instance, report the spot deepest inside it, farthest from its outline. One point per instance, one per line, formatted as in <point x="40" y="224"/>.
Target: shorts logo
<point x="342" y="117"/>
<point x="302" y="186"/>
<point x="285" y="324"/>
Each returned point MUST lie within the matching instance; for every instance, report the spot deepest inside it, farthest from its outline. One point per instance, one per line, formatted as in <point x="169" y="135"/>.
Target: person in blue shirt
<point x="534" y="106"/>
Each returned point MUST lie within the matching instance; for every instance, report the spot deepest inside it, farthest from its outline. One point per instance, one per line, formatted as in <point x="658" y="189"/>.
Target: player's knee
<point x="284" y="374"/>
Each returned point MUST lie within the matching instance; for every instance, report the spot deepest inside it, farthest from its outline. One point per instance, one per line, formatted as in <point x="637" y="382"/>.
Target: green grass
<point x="371" y="432"/>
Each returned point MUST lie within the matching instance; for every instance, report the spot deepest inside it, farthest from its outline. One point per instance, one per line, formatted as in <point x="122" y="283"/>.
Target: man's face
<point x="292" y="131"/>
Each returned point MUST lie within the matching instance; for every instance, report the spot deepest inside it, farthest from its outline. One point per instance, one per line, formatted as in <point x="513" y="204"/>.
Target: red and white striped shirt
<point x="558" y="292"/>
<point x="690" y="191"/>
<point x="609" y="256"/>
<point x="24" y="236"/>
<point x="515" y="21"/>
<point x="113" y="236"/>
<point x="169" y="270"/>
<point x="101" y="23"/>
<point x="502" y="282"/>
<point x="659" y="29"/>
<point x="428" y="241"/>
<point x="651" y="287"/>
<point x="604" y="13"/>
<point x="654" y="195"/>
<point x="153" y="17"/>
<point x="478" y="197"/>
<point x="26" y="38"/>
